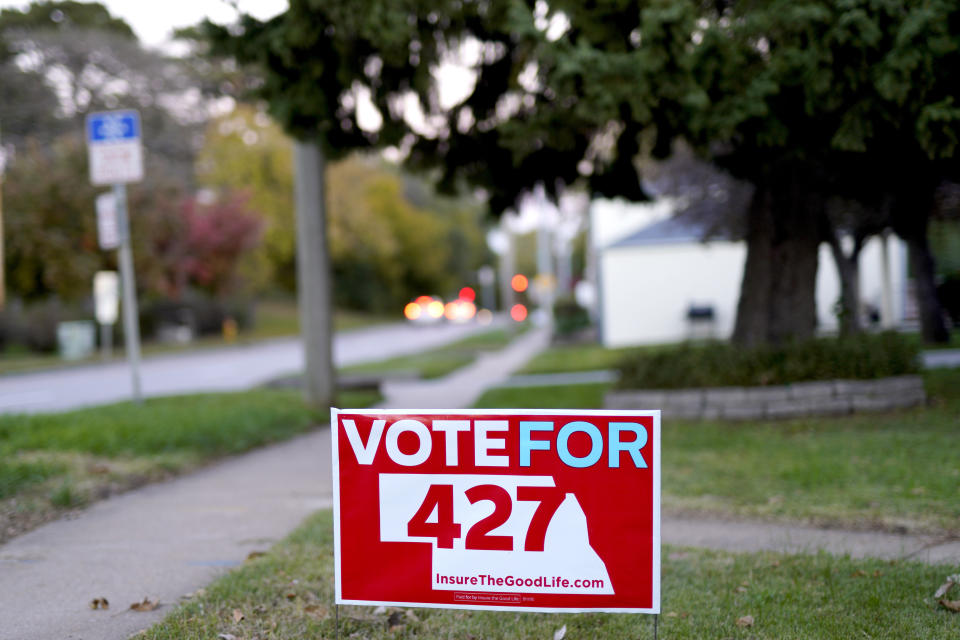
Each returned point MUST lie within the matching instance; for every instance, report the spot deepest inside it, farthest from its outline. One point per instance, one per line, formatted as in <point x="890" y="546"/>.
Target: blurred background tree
<point x="391" y="236"/>
<point x="212" y="223"/>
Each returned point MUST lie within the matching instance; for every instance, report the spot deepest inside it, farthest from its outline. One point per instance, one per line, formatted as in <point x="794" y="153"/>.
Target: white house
<point x="655" y="270"/>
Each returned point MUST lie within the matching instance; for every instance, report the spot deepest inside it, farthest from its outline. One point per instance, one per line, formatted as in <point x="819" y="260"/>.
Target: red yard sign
<point x="489" y="509"/>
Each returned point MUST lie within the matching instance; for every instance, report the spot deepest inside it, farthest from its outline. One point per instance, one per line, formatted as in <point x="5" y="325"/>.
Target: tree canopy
<point x="805" y="99"/>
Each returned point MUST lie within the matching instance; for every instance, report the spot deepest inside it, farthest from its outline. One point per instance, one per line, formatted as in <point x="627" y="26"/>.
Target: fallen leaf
<point x="682" y="615"/>
<point x="145" y="605"/>
<point x="255" y="554"/>
<point x="878" y="574"/>
<point x="859" y="573"/>
<point x="745" y="621"/>
<point x="238" y="615"/>
<point x="560" y="633"/>
<point x="951" y="580"/>
<point x="290" y="595"/>
<point x="99" y="603"/>
<point x="775" y="564"/>
<point x="952" y="605"/>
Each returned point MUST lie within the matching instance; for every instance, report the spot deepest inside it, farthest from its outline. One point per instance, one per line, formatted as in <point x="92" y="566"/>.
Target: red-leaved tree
<point x="210" y="245"/>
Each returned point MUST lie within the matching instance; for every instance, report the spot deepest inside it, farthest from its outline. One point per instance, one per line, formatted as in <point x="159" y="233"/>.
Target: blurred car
<point x="459" y="311"/>
<point x="424" y="310"/>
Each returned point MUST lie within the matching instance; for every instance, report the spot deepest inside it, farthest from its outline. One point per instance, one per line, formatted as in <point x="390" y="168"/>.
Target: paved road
<point x="220" y="369"/>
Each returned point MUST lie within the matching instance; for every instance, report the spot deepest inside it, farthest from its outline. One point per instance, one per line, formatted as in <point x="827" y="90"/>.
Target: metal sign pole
<point x="131" y="325"/>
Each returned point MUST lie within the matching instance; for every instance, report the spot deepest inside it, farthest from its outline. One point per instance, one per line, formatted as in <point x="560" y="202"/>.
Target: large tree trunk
<point x="314" y="283"/>
<point x="848" y="267"/>
<point x="932" y="324"/>
<point x="778" y="293"/>
<point x="911" y="220"/>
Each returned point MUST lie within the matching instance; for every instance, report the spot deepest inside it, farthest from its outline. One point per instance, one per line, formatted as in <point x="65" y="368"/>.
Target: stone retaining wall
<point x="830" y="397"/>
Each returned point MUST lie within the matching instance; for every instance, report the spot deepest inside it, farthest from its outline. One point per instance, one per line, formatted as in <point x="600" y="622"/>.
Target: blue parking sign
<point x="113" y="126"/>
<point x="114" y="147"/>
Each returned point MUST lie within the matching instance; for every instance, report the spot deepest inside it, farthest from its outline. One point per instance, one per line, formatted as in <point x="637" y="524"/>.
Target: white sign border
<point x="335" y="460"/>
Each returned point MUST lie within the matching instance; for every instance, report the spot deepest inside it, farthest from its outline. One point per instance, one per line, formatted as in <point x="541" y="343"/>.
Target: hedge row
<point x="719" y="364"/>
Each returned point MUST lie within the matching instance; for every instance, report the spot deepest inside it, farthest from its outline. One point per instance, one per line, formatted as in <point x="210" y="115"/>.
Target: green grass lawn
<point x="578" y="357"/>
<point x="894" y="471"/>
<point x="288" y="593"/>
<point x="441" y="361"/>
<point x="882" y="470"/>
<point x="51" y="462"/>
<point x="568" y="396"/>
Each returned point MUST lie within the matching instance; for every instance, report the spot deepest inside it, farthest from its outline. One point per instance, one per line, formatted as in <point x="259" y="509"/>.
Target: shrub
<point x="569" y="317"/>
<point x="721" y="364"/>
<point x="34" y="326"/>
<point x="202" y="313"/>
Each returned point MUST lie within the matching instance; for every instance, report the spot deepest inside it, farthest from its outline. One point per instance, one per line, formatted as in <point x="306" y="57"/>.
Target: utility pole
<point x="314" y="282"/>
<point x="131" y="323"/>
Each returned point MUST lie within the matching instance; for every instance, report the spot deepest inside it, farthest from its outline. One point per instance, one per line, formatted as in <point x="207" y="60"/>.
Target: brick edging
<point x="827" y="397"/>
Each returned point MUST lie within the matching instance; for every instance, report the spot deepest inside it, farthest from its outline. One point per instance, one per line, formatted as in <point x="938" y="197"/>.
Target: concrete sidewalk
<point x="169" y="539"/>
<point x="161" y="542"/>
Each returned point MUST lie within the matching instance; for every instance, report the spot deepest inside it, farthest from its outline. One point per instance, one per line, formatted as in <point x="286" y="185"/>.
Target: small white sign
<point x="106" y="296"/>
<point x="114" y="147"/>
<point x="108" y="231"/>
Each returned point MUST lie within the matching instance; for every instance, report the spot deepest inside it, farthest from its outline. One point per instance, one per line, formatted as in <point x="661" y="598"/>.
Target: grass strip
<point x="53" y="462"/>
<point x="441" y="361"/>
<point x="577" y="357"/>
<point x="288" y="593"/>
<point x="203" y="425"/>
<point x="568" y="396"/>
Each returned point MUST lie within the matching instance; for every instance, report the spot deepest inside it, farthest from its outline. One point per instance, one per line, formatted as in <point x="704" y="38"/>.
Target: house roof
<point x="675" y="230"/>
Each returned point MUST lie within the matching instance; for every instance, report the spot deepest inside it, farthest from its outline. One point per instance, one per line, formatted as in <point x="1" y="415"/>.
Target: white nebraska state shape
<point x="567" y="552"/>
